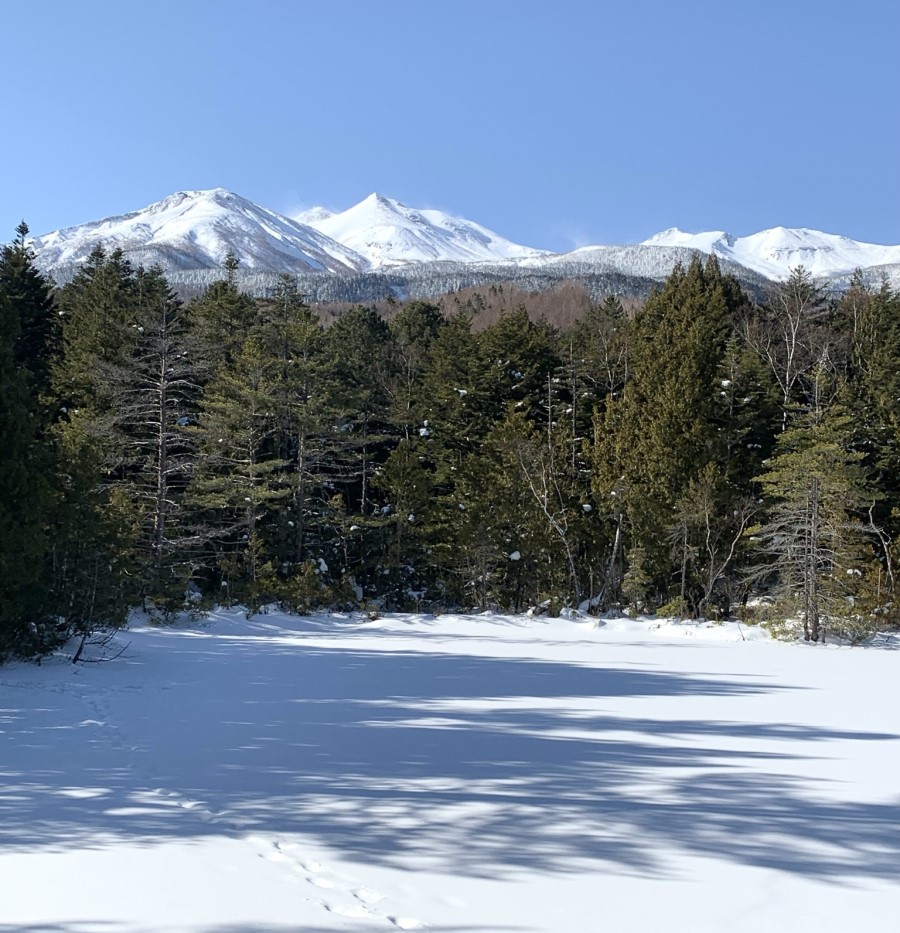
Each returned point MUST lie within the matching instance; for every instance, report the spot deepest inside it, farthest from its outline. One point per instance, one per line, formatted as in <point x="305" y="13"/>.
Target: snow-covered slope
<point x="651" y="262"/>
<point x="773" y="253"/>
<point x="196" y="230"/>
<point x="389" y="233"/>
<point x="192" y="231"/>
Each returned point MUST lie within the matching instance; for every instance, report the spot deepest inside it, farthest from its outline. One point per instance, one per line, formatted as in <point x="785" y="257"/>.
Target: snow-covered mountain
<point x="773" y="253"/>
<point x="189" y="234"/>
<point x="388" y="233"/>
<point x="647" y="261"/>
<point x="196" y="230"/>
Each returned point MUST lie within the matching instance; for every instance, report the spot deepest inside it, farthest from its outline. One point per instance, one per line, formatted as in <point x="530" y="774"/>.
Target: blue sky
<point x="555" y="123"/>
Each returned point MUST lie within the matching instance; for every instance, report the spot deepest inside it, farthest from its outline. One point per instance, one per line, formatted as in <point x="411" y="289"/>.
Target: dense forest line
<point x="681" y="456"/>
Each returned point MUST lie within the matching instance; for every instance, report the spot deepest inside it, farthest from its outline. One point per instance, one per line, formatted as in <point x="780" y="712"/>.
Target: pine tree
<point x="518" y="356"/>
<point x="405" y="572"/>
<point x="815" y="491"/>
<point x="156" y="389"/>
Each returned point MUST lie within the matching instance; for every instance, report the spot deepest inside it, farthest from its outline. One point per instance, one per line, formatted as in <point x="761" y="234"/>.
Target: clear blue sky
<point x="556" y="123"/>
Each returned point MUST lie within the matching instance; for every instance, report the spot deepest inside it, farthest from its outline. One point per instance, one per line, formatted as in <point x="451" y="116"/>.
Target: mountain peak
<point x="196" y="230"/>
<point x="389" y="233"/>
<point x="776" y="251"/>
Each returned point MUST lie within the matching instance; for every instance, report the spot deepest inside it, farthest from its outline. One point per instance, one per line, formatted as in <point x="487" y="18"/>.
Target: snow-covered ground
<point x="459" y="773"/>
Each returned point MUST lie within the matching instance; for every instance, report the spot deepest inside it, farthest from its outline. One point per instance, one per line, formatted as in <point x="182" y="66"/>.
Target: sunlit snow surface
<point x="197" y="230"/>
<point x="388" y="233"/>
<point x="774" y="253"/>
<point x="459" y="773"/>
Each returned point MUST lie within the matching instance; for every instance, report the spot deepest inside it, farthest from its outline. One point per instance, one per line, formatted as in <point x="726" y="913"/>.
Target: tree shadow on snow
<point x="473" y="765"/>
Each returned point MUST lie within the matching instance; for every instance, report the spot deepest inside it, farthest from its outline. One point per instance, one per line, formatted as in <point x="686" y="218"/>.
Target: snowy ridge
<point x="651" y="262"/>
<point x="773" y="253"/>
<point x="388" y="233"/>
<point x="196" y="230"/>
<point x="191" y="232"/>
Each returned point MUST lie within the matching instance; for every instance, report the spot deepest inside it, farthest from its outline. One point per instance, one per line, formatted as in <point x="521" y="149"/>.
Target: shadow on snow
<point x="476" y="765"/>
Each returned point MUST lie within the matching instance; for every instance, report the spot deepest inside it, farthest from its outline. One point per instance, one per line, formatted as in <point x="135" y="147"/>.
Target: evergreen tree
<point x="656" y="440"/>
<point x="237" y="481"/>
<point x="97" y="524"/>
<point x="292" y="337"/>
<point x="413" y="329"/>
<point x="155" y="391"/>
<point x="222" y="318"/>
<point x="24" y="492"/>
<point x="518" y="356"/>
<point x="361" y="346"/>
<point x="29" y="298"/>
<point x="491" y="548"/>
<point x="871" y="324"/>
<point x="406" y="573"/>
<point x="816" y="490"/>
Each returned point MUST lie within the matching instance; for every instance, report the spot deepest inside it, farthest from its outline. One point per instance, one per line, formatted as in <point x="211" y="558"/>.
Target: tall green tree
<point x="24" y="490"/>
<point x="305" y="412"/>
<point x="96" y="527"/>
<point x="654" y="442"/>
<point x="236" y="486"/>
<point x="221" y="320"/>
<point x="29" y="297"/>
<point x="816" y="491"/>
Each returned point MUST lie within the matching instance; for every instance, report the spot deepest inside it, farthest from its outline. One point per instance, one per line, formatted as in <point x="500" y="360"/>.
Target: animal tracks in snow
<point x="332" y="892"/>
<point x="146" y="794"/>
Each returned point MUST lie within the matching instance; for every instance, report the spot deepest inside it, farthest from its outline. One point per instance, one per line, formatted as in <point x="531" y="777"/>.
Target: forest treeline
<point x="683" y="456"/>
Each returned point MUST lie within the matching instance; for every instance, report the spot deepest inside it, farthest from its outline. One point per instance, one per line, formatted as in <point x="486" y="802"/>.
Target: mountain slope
<point x="388" y="233"/>
<point x="773" y="253"/>
<point x="196" y="230"/>
<point x="645" y="261"/>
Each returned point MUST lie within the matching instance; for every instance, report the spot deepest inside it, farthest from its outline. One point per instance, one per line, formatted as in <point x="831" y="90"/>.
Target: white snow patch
<point x="470" y="772"/>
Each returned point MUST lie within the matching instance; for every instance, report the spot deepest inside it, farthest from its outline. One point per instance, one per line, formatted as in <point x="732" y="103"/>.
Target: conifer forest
<point x="701" y="455"/>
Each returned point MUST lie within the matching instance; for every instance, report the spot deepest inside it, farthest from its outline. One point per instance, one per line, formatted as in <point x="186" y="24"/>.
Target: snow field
<point x="459" y="773"/>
